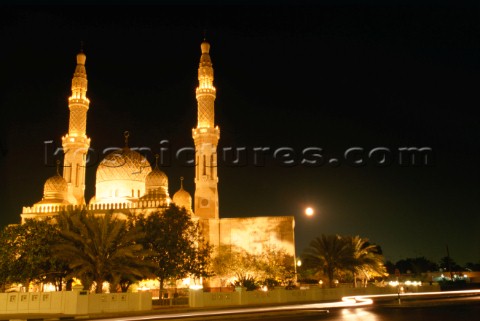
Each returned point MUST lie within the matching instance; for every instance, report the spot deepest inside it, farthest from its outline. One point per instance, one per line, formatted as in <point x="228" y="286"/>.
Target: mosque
<point x="127" y="183"/>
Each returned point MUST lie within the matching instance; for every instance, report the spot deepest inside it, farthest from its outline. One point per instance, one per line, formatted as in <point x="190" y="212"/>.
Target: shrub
<point x="247" y="281"/>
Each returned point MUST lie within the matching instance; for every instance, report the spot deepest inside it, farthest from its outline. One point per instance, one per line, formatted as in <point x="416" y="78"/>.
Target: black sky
<point x="330" y="76"/>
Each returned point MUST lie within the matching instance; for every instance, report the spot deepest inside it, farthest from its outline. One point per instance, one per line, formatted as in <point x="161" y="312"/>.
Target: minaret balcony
<point x="206" y="135"/>
<point x="206" y="90"/>
<point x="84" y="102"/>
<point x="76" y="141"/>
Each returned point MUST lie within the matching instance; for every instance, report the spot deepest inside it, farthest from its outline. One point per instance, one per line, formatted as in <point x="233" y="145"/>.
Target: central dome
<point x="121" y="176"/>
<point x="125" y="164"/>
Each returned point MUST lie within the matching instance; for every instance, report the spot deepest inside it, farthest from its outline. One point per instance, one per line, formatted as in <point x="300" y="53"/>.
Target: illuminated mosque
<point x="127" y="183"/>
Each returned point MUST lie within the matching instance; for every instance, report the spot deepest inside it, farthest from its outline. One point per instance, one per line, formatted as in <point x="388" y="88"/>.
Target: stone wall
<point x="73" y="302"/>
<point x="241" y="297"/>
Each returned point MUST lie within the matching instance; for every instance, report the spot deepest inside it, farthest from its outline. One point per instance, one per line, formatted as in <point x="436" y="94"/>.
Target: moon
<point x="309" y="211"/>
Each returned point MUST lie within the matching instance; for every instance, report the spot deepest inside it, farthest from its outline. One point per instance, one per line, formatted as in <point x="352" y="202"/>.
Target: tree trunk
<point x="27" y="286"/>
<point x="125" y="285"/>
<point x="68" y="286"/>
<point x="87" y="284"/>
<point x="365" y="279"/>
<point x="160" y="292"/>
<point x="58" y="284"/>
<point x="330" y="276"/>
<point x="98" y="286"/>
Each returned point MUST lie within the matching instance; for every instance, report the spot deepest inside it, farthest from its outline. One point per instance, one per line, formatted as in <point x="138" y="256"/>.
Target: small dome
<point x="55" y="184"/>
<point x="55" y="190"/>
<point x="156" y="180"/>
<point x="182" y="198"/>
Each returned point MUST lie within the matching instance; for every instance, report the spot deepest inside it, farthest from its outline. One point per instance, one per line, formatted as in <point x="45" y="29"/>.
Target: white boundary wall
<point x="198" y="298"/>
<point x="73" y="302"/>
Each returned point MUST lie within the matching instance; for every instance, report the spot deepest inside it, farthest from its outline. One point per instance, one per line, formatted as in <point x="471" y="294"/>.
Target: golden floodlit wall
<point x="253" y="234"/>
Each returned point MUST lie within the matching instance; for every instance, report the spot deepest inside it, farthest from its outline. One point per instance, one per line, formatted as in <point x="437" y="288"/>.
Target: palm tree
<point x="365" y="258"/>
<point x="100" y="248"/>
<point x="329" y="253"/>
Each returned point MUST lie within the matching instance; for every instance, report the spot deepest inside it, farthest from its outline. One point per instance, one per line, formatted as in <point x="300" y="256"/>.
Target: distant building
<point x="127" y="183"/>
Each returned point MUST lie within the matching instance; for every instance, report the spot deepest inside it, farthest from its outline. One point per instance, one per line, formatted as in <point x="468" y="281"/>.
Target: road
<point x="439" y="306"/>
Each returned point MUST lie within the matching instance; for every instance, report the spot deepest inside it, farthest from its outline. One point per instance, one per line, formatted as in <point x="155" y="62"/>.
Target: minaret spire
<point x="206" y="92"/>
<point x="206" y="137"/>
<point x="75" y="142"/>
<point x="126" y="134"/>
<point x="156" y="161"/>
<point x="58" y="168"/>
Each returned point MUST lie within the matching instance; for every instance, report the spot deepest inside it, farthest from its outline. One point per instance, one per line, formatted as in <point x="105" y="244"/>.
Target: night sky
<point x="328" y="76"/>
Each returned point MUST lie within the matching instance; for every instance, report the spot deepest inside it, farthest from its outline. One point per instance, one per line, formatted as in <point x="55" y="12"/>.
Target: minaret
<point x="76" y="143"/>
<point x="206" y="137"/>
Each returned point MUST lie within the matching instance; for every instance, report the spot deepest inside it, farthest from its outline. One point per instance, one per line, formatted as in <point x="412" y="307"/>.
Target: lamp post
<point x="298" y="263"/>
<point x="296" y="266"/>
<point x="308" y="211"/>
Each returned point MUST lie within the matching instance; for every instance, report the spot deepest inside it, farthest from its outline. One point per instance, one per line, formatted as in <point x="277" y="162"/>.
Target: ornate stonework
<point x="206" y="137"/>
<point x="76" y="143"/>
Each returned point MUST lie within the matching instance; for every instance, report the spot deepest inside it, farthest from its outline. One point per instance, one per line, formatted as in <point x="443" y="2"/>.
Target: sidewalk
<point x="106" y="315"/>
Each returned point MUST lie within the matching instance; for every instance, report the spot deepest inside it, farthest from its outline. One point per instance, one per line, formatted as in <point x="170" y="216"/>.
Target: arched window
<point x="204" y="165"/>
<point x="211" y="165"/>
<point x="196" y="168"/>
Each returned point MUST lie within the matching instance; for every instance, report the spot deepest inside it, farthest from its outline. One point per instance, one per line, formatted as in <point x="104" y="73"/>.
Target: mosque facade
<point x="127" y="183"/>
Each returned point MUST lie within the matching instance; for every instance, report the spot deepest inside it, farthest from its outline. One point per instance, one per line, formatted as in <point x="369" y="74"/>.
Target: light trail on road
<point x="416" y="294"/>
<point x="211" y="313"/>
<point x="347" y="302"/>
